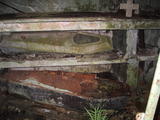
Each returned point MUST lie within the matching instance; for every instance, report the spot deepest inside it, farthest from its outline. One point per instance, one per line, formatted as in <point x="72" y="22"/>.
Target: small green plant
<point x="96" y="113"/>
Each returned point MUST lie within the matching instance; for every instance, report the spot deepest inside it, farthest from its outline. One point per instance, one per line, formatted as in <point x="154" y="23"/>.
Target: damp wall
<point x="56" y="6"/>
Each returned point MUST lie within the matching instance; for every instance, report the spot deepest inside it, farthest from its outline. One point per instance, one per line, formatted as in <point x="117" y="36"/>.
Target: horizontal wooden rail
<point x="76" y="23"/>
<point x="69" y="62"/>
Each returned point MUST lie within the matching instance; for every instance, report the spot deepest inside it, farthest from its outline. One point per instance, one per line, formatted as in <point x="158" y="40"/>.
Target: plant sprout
<point x="96" y="113"/>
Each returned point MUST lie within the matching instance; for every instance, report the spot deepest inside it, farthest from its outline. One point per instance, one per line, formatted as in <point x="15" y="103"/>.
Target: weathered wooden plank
<point x="133" y="66"/>
<point x="81" y="69"/>
<point x="132" y="74"/>
<point x="147" y="58"/>
<point x="154" y="94"/>
<point x="132" y="40"/>
<point x="59" y="98"/>
<point x="21" y="107"/>
<point x="56" y="63"/>
<point x="86" y="63"/>
<point x="76" y="23"/>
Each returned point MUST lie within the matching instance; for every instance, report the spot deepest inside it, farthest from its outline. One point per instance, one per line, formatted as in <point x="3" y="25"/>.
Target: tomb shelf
<point x="76" y="23"/>
<point x="85" y="23"/>
<point x="78" y="60"/>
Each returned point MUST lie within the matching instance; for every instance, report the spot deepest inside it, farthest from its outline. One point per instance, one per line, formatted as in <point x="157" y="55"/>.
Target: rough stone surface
<point x="64" y="6"/>
<point x="54" y="6"/>
<point x="58" y="42"/>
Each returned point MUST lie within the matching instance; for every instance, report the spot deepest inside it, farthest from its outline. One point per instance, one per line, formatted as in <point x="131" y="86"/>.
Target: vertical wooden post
<point x="154" y="94"/>
<point x="132" y="73"/>
<point x="132" y="40"/>
<point x="133" y="64"/>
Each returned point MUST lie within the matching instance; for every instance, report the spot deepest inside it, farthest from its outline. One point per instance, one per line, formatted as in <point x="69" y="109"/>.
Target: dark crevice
<point x="141" y="43"/>
<point x="107" y="75"/>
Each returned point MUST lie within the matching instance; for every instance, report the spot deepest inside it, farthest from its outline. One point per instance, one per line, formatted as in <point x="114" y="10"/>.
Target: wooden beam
<point x="154" y="94"/>
<point x="69" y="62"/>
<point x="48" y="95"/>
<point x="55" y="63"/>
<point x="132" y="40"/>
<point x="80" y="69"/>
<point x="131" y="52"/>
<point x="76" y="23"/>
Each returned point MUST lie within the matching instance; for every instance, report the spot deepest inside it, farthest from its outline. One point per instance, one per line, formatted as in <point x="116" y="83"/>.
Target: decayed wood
<point x="59" y="60"/>
<point x="76" y="23"/>
<point x="21" y="107"/>
<point x="59" y="98"/>
<point x="53" y="62"/>
<point x="64" y="62"/>
<point x="81" y="69"/>
<point x="131" y="51"/>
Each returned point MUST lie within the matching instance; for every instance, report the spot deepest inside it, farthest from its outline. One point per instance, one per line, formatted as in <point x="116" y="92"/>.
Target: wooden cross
<point x="129" y="7"/>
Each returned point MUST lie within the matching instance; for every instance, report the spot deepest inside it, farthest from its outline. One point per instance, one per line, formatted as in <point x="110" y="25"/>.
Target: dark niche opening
<point x="84" y="39"/>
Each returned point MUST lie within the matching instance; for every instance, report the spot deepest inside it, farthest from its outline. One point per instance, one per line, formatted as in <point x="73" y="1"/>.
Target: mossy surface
<point x="132" y="76"/>
<point x="87" y="7"/>
<point x="60" y="43"/>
